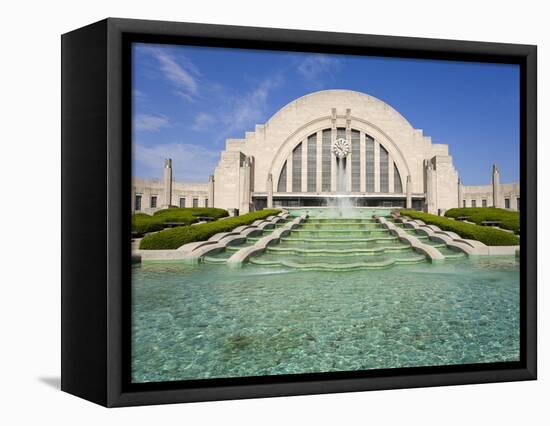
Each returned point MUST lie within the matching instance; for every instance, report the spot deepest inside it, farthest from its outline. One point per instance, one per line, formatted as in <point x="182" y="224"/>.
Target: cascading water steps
<point x="336" y="244"/>
<point x="449" y="253"/>
<point x="223" y="255"/>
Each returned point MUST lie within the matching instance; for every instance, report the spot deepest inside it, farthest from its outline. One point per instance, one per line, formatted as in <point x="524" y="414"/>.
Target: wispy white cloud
<point x="317" y="69"/>
<point x="203" y="121"/>
<point x="243" y="112"/>
<point x="150" y="123"/>
<point x="192" y="163"/>
<point x="223" y="113"/>
<point x="181" y="72"/>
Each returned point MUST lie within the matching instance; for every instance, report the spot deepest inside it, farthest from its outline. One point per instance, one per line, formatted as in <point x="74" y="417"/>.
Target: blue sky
<point x="188" y="100"/>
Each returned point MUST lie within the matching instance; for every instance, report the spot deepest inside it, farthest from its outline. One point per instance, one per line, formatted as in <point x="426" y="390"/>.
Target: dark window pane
<point x="281" y="186"/>
<point x="369" y="153"/>
<point x="384" y="180"/>
<point x="312" y="163"/>
<point x="297" y="169"/>
<point x="326" y="161"/>
<point x="397" y="184"/>
<point x="355" y="161"/>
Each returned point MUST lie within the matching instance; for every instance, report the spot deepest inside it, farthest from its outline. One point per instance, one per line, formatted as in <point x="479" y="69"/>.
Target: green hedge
<point x="508" y="219"/>
<point x="143" y="223"/>
<point x="485" y="234"/>
<point x="176" y="237"/>
<point x="183" y="214"/>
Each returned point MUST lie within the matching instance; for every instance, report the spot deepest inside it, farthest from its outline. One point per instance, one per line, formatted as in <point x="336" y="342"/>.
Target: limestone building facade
<point x="149" y="195"/>
<point x="502" y="195"/>
<point x="325" y="147"/>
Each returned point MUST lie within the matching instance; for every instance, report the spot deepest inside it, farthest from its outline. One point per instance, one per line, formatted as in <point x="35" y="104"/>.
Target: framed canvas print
<point x="252" y="212"/>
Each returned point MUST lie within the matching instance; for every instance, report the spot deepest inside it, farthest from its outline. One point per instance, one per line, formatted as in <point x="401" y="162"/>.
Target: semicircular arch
<point x="301" y="134"/>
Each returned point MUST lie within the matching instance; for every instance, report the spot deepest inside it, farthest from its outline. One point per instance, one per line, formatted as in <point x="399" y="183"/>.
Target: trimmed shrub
<point x="143" y="223"/>
<point x="508" y="219"/>
<point x="173" y="238"/>
<point x="485" y="234"/>
<point x="189" y="214"/>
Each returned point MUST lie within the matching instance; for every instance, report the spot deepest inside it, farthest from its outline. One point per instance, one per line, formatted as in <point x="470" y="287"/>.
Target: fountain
<point x="340" y="237"/>
<point x="341" y="148"/>
<point x="343" y="202"/>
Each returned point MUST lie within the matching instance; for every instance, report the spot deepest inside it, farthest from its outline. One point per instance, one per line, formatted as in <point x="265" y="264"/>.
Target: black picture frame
<point x="96" y="172"/>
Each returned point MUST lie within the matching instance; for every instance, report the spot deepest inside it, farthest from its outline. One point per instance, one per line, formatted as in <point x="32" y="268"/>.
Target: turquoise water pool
<point x="210" y="321"/>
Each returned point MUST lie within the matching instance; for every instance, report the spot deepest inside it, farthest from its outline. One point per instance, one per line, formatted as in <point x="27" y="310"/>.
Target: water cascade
<point x="341" y="237"/>
<point x="327" y="241"/>
<point x="343" y="202"/>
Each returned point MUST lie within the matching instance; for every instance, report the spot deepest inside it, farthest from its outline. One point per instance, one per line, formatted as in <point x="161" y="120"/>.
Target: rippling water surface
<point x="211" y="321"/>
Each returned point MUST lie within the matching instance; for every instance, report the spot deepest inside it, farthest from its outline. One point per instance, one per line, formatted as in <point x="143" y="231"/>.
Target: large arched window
<point x="369" y="166"/>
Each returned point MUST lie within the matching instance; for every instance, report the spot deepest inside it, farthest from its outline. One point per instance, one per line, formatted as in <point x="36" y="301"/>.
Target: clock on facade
<point x="341" y="147"/>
